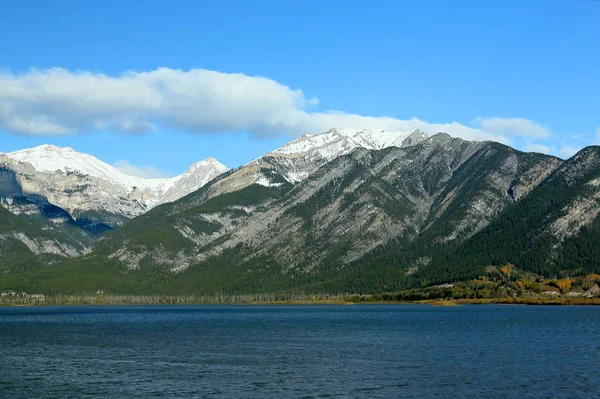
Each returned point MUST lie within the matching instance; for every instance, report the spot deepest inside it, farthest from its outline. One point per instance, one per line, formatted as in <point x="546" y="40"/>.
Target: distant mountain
<point x="404" y="211"/>
<point x="77" y="195"/>
<point x="366" y="221"/>
<point x="195" y="177"/>
<point x="89" y="190"/>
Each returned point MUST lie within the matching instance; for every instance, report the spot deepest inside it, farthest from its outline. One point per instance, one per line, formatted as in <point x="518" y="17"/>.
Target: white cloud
<point x="512" y="127"/>
<point x="567" y="151"/>
<point x="139" y="171"/>
<point x="60" y="102"/>
<point x="533" y="147"/>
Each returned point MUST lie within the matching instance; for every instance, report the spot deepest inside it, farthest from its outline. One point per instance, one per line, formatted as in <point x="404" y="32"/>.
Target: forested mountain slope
<point x="554" y="231"/>
<point x="24" y="246"/>
<point x="372" y="220"/>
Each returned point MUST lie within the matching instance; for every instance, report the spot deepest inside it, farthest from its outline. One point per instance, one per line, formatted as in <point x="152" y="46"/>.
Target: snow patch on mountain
<point x="265" y="181"/>
<point x="50" y="158"/>
<point x="195" y="177"/>
<point x="336" y="142"/>
<point x="307" y="153"/>
<point x="300" y="158"/>
<point x="80" y="183"/>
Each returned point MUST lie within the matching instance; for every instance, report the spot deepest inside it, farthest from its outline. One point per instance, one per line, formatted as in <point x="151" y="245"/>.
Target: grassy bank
<point x="515" y="301"/>
<point x="72" y="300"/>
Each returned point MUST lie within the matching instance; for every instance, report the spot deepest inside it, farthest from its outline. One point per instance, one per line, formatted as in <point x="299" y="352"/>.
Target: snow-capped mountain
<point x="195" y="177"/>
<point x="309" y="152"/>
<point x="96" y="194"/>
<point x="300" y="158"/>
<point x="88" y="188"/>
<point x="335" y="142"/>
<point x="50" y="158"/>
<point x="437" y="193"/>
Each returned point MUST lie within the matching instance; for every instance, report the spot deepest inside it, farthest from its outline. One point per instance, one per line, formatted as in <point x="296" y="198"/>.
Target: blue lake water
<point x="385" y="351"/>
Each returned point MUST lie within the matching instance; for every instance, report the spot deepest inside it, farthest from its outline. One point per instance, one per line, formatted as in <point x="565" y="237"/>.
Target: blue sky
<point x="164" y="84"/>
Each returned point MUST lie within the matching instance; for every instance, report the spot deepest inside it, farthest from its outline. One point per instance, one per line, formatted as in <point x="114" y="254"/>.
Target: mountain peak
<point x="415" y="137"/>
<point x="52" y="147"/>
<point x="302" y="156"/>
<point x="440" y="137"/>
<point x="335" y="142"/>
<point x="45" y="148"/>
<point x="209" y="162"/>
<point x="197" y="175"/>
<point x="112" y="182"/>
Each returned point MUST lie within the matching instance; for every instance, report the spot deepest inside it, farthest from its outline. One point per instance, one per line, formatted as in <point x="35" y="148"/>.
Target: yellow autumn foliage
<point x="523" y="283"/>
<point x="507" y="269"/>
<point x="564" y="285"/>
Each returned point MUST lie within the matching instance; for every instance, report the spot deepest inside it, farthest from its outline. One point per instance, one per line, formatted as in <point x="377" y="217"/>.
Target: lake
<point x="361" y="351"/>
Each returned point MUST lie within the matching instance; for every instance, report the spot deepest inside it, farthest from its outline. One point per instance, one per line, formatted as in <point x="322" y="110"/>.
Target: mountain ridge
<point x="73" y="190"/>
<point x="51" y="158"/>
<point x="434" y="210"/>
<point x="326" y="231"/>
<point x="301" y="157"/>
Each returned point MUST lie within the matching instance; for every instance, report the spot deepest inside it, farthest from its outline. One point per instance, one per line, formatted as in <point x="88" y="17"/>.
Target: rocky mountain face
<point x="375" y="215"/>
<point x="78" y="190"/>
<point x="23" y="244"/>
<point x="327" y="229"/>
<point x="195" y="177"/>
<point x="77" y="195"/>
<point x="553" y="231"/>
<point x="87" y="187"/>
<point x="298" y="159"/>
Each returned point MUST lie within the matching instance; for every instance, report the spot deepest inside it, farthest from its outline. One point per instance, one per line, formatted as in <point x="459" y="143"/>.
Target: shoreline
<point x="131" y="301"/>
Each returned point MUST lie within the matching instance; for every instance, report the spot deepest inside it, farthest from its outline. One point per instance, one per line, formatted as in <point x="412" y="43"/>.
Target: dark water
<point x="300" y="352"/>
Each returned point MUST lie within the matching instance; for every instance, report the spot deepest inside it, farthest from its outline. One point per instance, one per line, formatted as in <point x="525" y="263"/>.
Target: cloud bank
<point x="513" y="127"/>
<point x="567" y="151"/>
<point x="534" y="147"/>
<point x="150" y="172"/>
<point x="57" y="101"/>
<point x="563" y="151"/>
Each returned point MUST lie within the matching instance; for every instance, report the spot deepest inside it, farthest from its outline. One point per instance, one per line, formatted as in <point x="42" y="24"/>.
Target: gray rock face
<point x="39" y="245"/>
<point x="21" y="242"/>
<point x="89" y="194"/>
<point x="82" y="195"/>
<point x="195" y="177"/>
<point x="582" y="171"/>
<point x="441" y="190"/>
<point x="90" y="189"/>
<point x="446" y="188"/>
<point x="300" y="158"/>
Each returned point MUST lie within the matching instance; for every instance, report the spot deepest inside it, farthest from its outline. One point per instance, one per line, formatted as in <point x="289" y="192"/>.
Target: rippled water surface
<point x="300" y="352"/>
